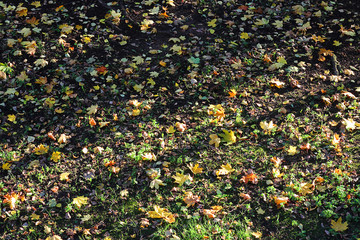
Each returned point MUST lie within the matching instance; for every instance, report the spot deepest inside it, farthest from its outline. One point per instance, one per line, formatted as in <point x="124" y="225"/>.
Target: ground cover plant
<point x="175" y="119"/>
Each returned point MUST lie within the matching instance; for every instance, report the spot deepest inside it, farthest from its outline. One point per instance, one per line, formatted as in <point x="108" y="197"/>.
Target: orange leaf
<point x="280" y="201"/>
<point x="92" y="122"/>
<point x="191" y="199"/>
<point x="251" y="177"/>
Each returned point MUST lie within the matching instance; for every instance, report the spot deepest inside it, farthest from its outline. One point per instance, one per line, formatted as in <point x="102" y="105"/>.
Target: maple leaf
<point x="350" y="124"/>
<point x="41" y="62"/>
<point x="292" y="150"/>
<point x="54" y="237"/>
<point x="212" y="23"/>
<point x="64" y="176"/>
<point x="278" y="24"/>
<point x="11" y="199"/>
<point x="171" y="129"/>
<point x="267" y="126"/>
<point x="55" y="156"/>
<point x="156" y="183"/>
<point x="148" y="157"/>
<point x="195" y="169"/>
<point x="63" y="138"/>
<point x="191" y="199"/>
<point x="41" y="149"/>
<point x="181" y="178"/>
<point x="244" y="35"/>
<point x="92" y="122"/>
<point x="251" y="177"/>
<point x="36" y="4"/>
<point x="277" y="161"/>
<point x="214" y="140"/>
<point x="79" y="201"/>
<point x="34" y="216"/>
<point x="276" y="83"/>
<point x="162" y="213"/>
<point x="228" y="136"/>
<point x="138" y="60"/>
<point x="6" y="166"/>
<point x="232" y="93"/>
<point x="279" y="64"/>
<point x="181" y="127"/>
<point x="305" y="188"/>
<point x="339" y="226"/>
<point x="138" y="87"/>
<point x="261" y="22"/>
<point x="281" y="201"/>
<point x="12" y="118"/>
<point x="25" y="32"/>
<point x="225" y="169"/>
<point x="66" y="28"/>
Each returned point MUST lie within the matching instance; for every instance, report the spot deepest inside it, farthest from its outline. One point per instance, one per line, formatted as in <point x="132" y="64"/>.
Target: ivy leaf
<point x="228" y="136"/>
<point x="79" y="201"/>
<point x="339" y="226"/>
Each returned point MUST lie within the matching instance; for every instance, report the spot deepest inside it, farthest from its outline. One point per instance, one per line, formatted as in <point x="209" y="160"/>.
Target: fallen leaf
<point x="191" y="199"/>
<point x="195" y="169"/>
<point x="228" y="136"/>
<point x="214" y="140"/>
<point x="80" y="201"/>
<point x="162" y="213"/>
<point x="225" y="169"/>
<point x="339" y="226"/>
<point x="181" y="178"/>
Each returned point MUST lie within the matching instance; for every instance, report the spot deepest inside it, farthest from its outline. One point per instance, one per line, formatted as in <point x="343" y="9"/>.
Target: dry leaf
<point x="191" y="199"/>
<point x="339" y="226"/>
<point x="225" y="169"/>
<point x="79" y="201"/>
<point x="195" y="169"/>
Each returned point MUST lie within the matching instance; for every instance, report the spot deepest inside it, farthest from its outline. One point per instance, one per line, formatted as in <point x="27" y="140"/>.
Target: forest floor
<point x="164" y="119"/>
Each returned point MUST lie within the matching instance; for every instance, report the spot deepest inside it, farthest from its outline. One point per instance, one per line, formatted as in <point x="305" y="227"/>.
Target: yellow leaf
<point x="64" y="176"/>
<point x="257" y="234"/>
<point x="162" y="63"/>
<point x="305" y="188"/>
<point x="195" y="169"/>
<point x="232" y="93"/>
<point x="171" y="129"/>
<point x="35" y="216"/>
<point x="36" y="4"/>
<point x="162" y="213"/>
<point x="12" y="118"/>
<point x="92" y="109"/>
<point x="6" y="166"/>
<point x="103" y="124"/>
<point x="41" y="149"/>
<point x="54" y="237"/>
<point x="225" y="169"/>
<point x="267" y="126"/>
<point x="79" y="201"/>
<point x="228" y="136"/>
<point x="280" y="63"/>
<point x="56" y="156"/>
<point x="181" y="178"/>
<point x="214" y="140"/>
<point x="156" y="183"/>
<point x="138" y="87"/>
<point x="244" y="35"/>
<point x="338" y="226"/>
<point x="212" y="23"/>
<point x="292" y="150"/>
<point x="336" y="43"/>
